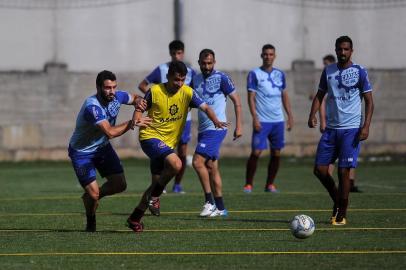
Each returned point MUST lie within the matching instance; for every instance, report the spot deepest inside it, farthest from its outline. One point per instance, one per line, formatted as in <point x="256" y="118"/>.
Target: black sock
<point x="219" y="203"/>
<point x="91" y="219"/>
<point x="137" y="215"/>
<point x="208" y="197"/>
<point x="157" y="190"/>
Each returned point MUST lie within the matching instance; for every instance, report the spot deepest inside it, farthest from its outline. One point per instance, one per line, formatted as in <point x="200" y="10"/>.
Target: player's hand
<point x="256" y="125"/>
<point x="312" y="122"/>
<point x="144" y="121"/>
<point x="363" y="134"/>
<point x="289" y="124"/>
<point x="221" y="125"/>
<point x="140" y="104"/>
<point x="237" y="133"/>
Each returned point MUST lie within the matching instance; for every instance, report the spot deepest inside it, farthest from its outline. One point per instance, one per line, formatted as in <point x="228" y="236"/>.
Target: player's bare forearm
<point x="288" y="110"/>
<point x="137" y="115"/>
<point x="312" y="122"/>
<point x="115" y="131"/>
<point x="212" y="116"/>
<point x="143" y="86"/>
<point x="369" y="110"/>
<point x="251" y="105"/>
<point x="235" y="98"/>
<point x="256" y="125"/>
<point x="322" y="115"/>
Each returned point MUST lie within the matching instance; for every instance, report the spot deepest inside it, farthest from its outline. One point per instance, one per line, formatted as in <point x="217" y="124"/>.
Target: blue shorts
<point x="209" y="142"/>
<point x="186" y="133"/>
<point x="105" y="160"/>
<point x="274" y="132"/>
<point x="339" y="143"/>
<point x="157" y="151"/>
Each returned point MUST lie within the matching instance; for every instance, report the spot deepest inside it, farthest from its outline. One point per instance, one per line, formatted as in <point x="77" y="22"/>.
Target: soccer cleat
<point x="208" y="208"/>
<point x="341" y="222"/>
<point x="137" y="227"/>
<point x="271" y="188"/>
<point x="247" y="188"/>
<point x="177" y="188"/>
<point x="219" y="213"/>
<point x="154" y="206"/>
<point x="90" y="224"/>
<point x="333" y="216"/>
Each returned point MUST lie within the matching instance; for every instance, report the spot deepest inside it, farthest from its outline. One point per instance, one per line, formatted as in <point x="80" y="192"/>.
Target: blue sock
<point x="208" y="197"/>
<point x="219" y="203"/>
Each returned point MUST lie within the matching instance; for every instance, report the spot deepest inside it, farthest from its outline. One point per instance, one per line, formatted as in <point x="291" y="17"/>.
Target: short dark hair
<point x="268" y="47"/>
<point x="176" y="45"/>
<point x="177" y="67"/>
<point x="343" y="39"/>
<point x="330" y="58"/>
<point x="205" y="52"/>
<point x="104" y="75"/>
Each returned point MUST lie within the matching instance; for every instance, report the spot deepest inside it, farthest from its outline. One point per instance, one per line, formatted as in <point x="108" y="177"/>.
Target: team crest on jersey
<point x="113" y="108"/>
<point x="276" y="78"/>
<point x="173" y="109"/>
<point x="348" y="78"/>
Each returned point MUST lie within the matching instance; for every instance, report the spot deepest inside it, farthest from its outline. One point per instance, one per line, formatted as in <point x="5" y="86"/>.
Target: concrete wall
<point x="38" y="112"/>
<point x="132" y="36"/>
<point x="38" y="107"/>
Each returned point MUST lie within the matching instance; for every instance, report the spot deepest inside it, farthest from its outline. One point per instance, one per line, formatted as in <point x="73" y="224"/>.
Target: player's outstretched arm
<point x="139" y="120"/>
<point x="212" y="116"/>
<point x="235" y="98"/>
<point x="312" y="122"/>
<point x="369" y="110"/>
<point x="115" y="131"/>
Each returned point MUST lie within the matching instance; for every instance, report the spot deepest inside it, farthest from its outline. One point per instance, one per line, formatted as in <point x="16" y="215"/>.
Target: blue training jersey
<point x="158" y="75"/>
<point x="213" y="90"/>
<point x="268" y="88"/>
<point x="344" y="88"/>
<point x="87" y="136"/>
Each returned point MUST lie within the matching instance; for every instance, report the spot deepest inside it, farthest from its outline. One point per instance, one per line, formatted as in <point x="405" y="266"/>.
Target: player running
<point x="168" y="105"/>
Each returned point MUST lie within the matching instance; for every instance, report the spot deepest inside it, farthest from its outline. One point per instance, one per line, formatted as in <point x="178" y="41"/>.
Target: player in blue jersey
<point x="167" y="104"/>
<point x="213" y="87"/>
<point x="158" y="75"/>
<point x="328" y="60"/>
<point x="89" y="147"/>
<point x="346" y="84"/>
<point x="266" y="96"/>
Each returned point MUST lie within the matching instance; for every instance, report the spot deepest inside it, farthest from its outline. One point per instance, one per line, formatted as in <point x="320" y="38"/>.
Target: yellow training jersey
<point x="168" y="113"/>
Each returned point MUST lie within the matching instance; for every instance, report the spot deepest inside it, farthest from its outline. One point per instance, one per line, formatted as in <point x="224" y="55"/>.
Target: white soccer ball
<point x="302" y="226"/>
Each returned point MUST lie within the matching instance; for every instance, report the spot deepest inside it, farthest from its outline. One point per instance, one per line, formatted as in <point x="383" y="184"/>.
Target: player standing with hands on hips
<point x="346" y="84"/>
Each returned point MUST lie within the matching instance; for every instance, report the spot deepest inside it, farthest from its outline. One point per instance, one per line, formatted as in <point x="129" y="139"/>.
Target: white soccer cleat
<point x="208" y="208"/>
<point x="219" y="213"/>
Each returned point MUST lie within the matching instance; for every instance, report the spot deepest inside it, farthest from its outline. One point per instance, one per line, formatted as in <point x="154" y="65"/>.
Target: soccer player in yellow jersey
<point x="168" y="105"/>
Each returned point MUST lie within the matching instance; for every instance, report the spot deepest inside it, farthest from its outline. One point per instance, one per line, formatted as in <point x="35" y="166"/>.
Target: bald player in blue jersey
<point x="346" y="85"/>
<point x="89" y="146"/>
<point x="266" y="96"/>
<point x="157" y="76"/>
<point x="213" y="87"/>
